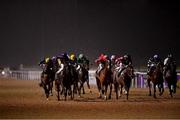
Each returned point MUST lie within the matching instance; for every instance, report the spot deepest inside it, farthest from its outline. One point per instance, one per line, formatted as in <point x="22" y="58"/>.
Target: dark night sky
<point x="30" y="30"/>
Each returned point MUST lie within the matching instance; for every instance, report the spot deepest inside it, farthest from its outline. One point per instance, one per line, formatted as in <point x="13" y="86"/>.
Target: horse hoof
<point x="40" y="84"/>
<point x="105" y="97"/>
<point x="47" y="99"/>
<point x="99" y="97"/>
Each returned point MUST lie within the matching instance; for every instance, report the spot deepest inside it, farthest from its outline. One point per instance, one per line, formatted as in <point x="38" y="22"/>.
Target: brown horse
<point x="156" y="77"/>
<point x="103" y="80"/>
<point x="123" y="81"/>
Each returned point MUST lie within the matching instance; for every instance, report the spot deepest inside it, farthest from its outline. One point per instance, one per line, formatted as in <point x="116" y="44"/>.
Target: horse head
<point x="129" y="71"/>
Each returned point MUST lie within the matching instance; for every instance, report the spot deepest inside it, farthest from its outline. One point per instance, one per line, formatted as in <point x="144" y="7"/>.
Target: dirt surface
<point x="25" y="99"/>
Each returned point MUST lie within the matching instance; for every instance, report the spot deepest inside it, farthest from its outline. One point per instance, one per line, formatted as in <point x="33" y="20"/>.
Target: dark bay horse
<point x="156" y="77"/>
<point x="103" y="80"/>
<point x="47" y="77"/>
<point x="170" y="76"/>
<point x="83" y="76"/>
<point x="123" y="81"/>
<point x="67" y="82"/>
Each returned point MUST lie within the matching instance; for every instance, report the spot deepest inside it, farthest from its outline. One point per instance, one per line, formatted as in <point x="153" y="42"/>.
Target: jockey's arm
<point x="61" y="68"/>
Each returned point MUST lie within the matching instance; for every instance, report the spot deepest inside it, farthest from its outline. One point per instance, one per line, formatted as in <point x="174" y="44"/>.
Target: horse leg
<point x="65" y="93"/>
<point x="79" y="89"/>
<point x="174" y="85"/>
<point x="105" y="92"/>
<point x="110" y="92"/>
<point x="116" y="89"/>
<point x="127" y="90"/>
<point x="88" y="86"/>
<point x="99" y="87"/>
<point x="161" y="88"/>
<point x="46" y="91"/>
<point x="50" y="88"/>
<point x="127" y="95"/>
<point x="71" y="90"/>
<point x="121" y="90"/>
<point x="170" y="90"/>
<point x="149" y="85"/>
<point x="154" y="90"/>
<point x="57" y="87"/>
<point x="83" y="88"/>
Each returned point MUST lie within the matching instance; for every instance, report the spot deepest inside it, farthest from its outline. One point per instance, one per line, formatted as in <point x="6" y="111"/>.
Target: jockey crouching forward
<point x="62" y="60"/>
<point x="119" y="66"/>
<point x="47" y="66"/>
<point x="84" y="62"/>
<point x="123" y="62"/>
<point x="167" y="63"/>
<point x="73" y="60"/>
<point x="153" y="61"/>
<point x="101" y="61"/>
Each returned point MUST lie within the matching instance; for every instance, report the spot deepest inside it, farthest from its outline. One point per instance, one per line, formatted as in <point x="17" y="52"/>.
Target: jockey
<point x="82" y="60"/>
<point x="119" y="64"/>
<point x="153" y="61"/>
<point x="48" y="62"/>
<point x="127" y="59"/>
<point x="156" y="59"/>
<point x="169" y="60"/>
<point x="113" y="59"/>
<point x="60" y="64"/>
<point x="62" y="60"/>
<point x="73" y="60"/>
<point x="65" y="59"/>
<point x="47" y="66"/>
<point x="101" y="61"/>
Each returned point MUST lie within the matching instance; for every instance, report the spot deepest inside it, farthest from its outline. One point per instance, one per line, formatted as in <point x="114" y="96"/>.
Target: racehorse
<point x="170" y="77"/>
<point x="103" y="80"/>
<point x="123" y="81"/>
<point x="47" y="78"/>
<point x="83" y="77"/>
<point x="67" y="81"/>
<point x="156" y="77"/>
